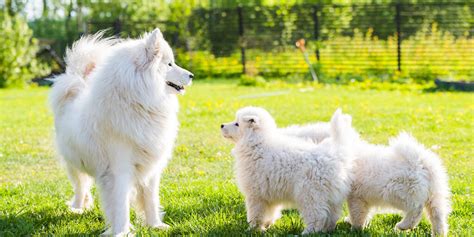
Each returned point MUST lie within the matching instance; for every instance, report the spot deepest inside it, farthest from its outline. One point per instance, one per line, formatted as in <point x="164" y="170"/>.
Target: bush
<point x="246" y="80"/>
<point x="17" y="52"/>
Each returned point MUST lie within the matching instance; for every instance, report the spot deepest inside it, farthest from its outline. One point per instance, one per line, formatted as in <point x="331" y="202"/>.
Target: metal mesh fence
<point x="422" y="41"/>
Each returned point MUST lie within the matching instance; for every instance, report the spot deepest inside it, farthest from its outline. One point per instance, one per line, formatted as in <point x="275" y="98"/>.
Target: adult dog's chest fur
<point x="150" y="128"/>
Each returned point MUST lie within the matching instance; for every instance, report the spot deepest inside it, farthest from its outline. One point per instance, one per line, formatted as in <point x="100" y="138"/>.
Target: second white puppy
<point x="274" y="169"/>
<point x="404" y="175"/>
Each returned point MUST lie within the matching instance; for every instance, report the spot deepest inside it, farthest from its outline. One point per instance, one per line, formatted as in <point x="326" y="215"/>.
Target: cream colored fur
<point x="275" y="170"/>
<point x="116" y="122"/>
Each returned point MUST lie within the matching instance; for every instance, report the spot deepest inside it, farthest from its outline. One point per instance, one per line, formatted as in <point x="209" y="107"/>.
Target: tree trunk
<point x="45" y="13"/>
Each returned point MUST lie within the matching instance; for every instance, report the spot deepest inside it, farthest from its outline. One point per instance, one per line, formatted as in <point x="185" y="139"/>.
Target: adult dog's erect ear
<point x="153" y="44"/>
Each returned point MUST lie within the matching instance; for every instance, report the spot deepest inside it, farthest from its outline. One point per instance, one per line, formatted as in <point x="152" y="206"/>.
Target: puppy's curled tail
<point x="81" y="59"/>
<point x="438" y="205"/>
<point x="341" y="128"/>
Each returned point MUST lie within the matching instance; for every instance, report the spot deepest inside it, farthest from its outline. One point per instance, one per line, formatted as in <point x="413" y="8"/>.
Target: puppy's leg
<point x="335" y="213"/>
<point x="115" y="192"/>
<point x="81" y="183"/>
<point x="256" y="210"/>
<point x="437" y="211"/>
<point x="149" y="200"/>
<point x="272" y="214"/>
<point x="358" y="212"/>
<point x="411" y="219"/>
<point x="314" y="208"/>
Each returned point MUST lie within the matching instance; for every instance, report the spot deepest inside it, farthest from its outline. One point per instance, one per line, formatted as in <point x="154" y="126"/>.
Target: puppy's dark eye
<point x="236" y="124"/>
<point x="169" y="64"/>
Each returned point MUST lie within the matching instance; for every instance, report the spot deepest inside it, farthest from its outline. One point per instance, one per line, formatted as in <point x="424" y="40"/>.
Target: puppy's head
<point x="158" y="58"/>
<point x="248" y="121"/>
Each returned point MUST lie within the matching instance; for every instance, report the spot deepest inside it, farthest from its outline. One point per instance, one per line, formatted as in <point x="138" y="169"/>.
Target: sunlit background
<point x="345" y="41"/>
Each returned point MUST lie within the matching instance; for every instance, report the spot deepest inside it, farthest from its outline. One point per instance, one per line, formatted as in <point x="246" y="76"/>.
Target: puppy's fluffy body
<point x="404" y="175"/>
<point x="116" y="121"/>
<point x="275" y="170"/>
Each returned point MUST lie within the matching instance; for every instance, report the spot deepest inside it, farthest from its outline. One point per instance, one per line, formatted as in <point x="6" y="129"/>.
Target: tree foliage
<point x="17" y="52"/>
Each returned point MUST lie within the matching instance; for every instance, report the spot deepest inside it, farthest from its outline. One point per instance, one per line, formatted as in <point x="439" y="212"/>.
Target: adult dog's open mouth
<point x="176" y="87"/>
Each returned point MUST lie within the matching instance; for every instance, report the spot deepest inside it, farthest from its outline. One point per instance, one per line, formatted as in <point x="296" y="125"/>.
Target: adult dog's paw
<point x="73" y="208"/>
<point x="109" y="232"/>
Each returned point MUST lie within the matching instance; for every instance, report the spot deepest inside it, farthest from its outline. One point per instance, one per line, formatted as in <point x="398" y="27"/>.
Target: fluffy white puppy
<point x="404" y="175"/>
<point x="116" y="121"/>
<point x="275" y="170"/>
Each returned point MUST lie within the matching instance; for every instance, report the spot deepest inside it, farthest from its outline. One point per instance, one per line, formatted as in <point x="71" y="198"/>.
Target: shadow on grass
<point x="214" y="214"/>
<point x="221" y="216"/>
<point x="30" y="223"/>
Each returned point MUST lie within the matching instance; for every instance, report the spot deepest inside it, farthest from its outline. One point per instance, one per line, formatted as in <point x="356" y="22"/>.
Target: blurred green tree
<point x="17" y="52"/>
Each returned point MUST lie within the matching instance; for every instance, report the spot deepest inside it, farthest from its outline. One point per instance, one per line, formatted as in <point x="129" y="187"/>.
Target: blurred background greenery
<point x="346" y="41"/>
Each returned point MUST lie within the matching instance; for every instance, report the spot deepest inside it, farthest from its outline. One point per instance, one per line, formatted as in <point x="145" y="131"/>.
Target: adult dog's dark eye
<point x="169" y="64"/>
<point x="236" y="124"/>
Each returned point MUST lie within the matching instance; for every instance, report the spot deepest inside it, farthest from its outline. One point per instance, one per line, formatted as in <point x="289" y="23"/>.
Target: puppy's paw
<point x="347" y="220"/>
<point x="256" y="229"/>
<point x="160" y="226"/>
<point x="307" y="232"/>
<point x="402" y="226"/>
<point x="76" y="210"/>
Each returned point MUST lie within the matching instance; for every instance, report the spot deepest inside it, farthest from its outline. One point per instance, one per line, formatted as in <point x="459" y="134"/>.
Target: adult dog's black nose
<point x="191" y="76"/>
<point x="222" y="125"/>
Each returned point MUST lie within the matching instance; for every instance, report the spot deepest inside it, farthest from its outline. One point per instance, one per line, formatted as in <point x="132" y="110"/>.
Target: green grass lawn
<point x="198" y="191"/>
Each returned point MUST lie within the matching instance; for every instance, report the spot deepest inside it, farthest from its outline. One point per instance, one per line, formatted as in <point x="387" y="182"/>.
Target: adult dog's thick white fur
<point x="404" y="175"/>
<point x="275" y="170"/>
<point x="116" y="121"/>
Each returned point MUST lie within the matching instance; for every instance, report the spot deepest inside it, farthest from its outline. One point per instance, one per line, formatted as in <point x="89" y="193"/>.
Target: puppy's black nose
<point x="191" y="76"/>
<point x="222" y="125"/>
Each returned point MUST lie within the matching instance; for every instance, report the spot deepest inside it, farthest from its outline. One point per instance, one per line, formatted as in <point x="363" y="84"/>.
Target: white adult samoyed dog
<point x="115" y="112"/>
<point x="275" y="170"/>
<point x="404" y="175"/>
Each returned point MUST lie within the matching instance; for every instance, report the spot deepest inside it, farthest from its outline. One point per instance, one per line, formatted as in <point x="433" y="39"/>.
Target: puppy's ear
<point x="252" y="121"/>
<point x="153" y="44"/>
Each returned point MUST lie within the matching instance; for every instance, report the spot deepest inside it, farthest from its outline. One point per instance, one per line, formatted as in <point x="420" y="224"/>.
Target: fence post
<point x="316" y="29"/>
<point x="398" y="23"/>
<point x="241" y="38"/>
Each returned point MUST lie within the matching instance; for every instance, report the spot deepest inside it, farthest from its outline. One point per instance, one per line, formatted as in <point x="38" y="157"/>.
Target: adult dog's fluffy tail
<point x="81" y="59"/>
<point x="341" y="128"/>
<point x="438" y="206"/>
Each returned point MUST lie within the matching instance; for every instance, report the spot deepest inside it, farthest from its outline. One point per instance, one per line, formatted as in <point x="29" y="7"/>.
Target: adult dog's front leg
<point x="115" y="190"/>
<point x="149" y="201"/>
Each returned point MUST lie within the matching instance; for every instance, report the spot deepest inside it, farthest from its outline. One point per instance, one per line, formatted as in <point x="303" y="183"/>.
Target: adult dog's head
<point x="155" y="59"/>
<point x="248" y="121"/>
